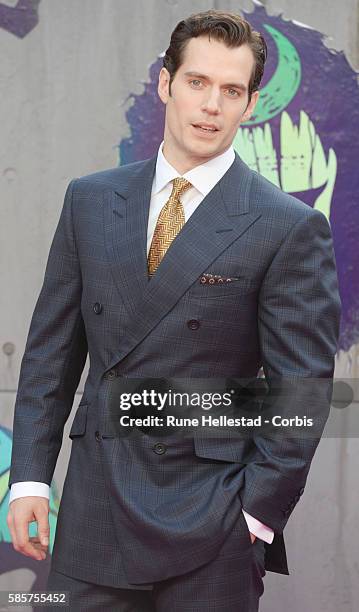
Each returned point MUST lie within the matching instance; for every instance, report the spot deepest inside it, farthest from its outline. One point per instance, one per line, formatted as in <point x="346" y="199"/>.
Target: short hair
<point x="232" y="29"/>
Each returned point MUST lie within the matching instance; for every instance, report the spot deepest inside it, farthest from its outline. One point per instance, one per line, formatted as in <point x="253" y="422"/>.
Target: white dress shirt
<point x="203" y="178"/>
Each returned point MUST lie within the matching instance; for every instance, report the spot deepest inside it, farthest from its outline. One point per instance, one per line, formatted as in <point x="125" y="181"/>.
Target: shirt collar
<point x="203" y="177"/>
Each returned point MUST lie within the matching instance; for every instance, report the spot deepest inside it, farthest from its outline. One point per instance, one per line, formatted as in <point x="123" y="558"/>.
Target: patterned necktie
<point x="171" y="219"/>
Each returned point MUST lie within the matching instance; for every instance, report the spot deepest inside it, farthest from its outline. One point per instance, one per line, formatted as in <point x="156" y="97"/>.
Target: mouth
<point x="205" y="128"/>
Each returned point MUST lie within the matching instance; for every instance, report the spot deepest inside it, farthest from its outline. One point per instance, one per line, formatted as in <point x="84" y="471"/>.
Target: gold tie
<point x="171" y="219"/>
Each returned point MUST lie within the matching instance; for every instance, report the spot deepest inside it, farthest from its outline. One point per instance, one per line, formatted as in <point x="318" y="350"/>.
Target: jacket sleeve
<point x="53" y="361"/>
<point x="298" y="319"/>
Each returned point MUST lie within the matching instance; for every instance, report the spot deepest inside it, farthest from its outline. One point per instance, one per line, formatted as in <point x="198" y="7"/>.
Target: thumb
<point x="43" y="528"/>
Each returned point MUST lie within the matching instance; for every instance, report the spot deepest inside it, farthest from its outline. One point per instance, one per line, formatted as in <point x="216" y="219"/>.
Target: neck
<point x="185" y="164"/>
<point x="182" y="166"/>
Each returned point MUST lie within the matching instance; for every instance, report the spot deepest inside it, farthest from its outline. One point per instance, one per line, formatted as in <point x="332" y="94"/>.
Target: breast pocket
<point x="238" y="286"/>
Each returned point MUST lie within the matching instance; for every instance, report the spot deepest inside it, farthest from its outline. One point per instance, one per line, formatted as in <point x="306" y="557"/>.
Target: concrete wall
<point x="64" y="84"/>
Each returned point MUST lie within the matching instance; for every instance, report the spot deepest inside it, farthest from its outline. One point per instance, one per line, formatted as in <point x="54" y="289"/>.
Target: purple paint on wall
<point x="329" y="95"/>
<point x="19" y="19"/>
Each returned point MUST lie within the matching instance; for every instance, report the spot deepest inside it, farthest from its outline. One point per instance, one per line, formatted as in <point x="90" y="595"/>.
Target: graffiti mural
<point x="21" y="18"/>
<point x="300" y="137"/>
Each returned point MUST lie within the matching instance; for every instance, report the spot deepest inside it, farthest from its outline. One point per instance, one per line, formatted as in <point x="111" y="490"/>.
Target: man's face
<point x="210" y="89"/>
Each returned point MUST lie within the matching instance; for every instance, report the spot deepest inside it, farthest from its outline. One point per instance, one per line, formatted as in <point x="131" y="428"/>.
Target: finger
<point x="23" y="543"/>
<point x="35" y="540"/>
<point x="10" y="524"/>
<point x="43" y="527"/>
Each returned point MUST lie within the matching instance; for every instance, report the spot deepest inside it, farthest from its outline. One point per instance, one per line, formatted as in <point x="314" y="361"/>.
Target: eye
<point x="233" y="93"/>
<point x="196" y="82"/>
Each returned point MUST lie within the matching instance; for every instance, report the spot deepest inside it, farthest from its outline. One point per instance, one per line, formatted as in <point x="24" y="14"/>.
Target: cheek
<point x="173" y="117"/>
<point x="183" y="108"/>
<point x="186" y="102"/>
<point x="234" y="117"/>
<point x="177" y="108"/>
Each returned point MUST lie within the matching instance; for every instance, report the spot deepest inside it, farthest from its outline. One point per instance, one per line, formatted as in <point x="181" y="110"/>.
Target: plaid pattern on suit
<point x="281" y="312"/>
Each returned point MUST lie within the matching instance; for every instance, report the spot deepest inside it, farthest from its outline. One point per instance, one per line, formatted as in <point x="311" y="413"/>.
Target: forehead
<point x="213" y="58"/>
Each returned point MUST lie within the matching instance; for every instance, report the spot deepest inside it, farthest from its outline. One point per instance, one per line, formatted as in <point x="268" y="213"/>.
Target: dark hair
<point x="230" y="28"/>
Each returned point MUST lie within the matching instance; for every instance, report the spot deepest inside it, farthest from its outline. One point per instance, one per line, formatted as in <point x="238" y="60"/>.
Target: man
<point x="187" y="265"/>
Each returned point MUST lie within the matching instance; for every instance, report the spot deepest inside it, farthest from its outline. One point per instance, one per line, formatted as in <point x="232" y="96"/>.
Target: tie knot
<point x="180" y="185"/>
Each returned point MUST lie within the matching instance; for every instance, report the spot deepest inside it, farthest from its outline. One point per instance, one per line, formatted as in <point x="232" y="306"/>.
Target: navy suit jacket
<point x="156" y="518"/>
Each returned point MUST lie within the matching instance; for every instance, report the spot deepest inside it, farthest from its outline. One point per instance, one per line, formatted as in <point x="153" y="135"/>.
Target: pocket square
<point x="216" y="279"/>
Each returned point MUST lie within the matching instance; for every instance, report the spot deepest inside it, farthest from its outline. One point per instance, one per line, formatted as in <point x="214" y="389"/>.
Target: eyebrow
<point x="240" y="86"/>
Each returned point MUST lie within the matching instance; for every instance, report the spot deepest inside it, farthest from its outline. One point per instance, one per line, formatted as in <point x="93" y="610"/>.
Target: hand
<point x="253" y="537"/>
<point x="23" y="511"/>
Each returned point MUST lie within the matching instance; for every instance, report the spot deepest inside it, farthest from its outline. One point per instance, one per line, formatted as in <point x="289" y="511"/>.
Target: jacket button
<point x="97" y="308"/>
<point x="97" y="436"/>
<point x="159" y="448"/>
<point x="193" y="324"/>
<point x="111" y="374"/>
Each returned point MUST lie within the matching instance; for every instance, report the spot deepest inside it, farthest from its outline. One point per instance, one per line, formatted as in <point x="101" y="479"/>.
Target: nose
<point x="211" y="103"/>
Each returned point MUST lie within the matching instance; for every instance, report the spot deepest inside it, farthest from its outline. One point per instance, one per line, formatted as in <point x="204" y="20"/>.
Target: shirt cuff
<point x="260" y="530"/>
<point x="28" y="488"/>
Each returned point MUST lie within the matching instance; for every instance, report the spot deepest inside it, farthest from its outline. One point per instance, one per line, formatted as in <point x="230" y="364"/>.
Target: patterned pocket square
<point x="216" y="279"/>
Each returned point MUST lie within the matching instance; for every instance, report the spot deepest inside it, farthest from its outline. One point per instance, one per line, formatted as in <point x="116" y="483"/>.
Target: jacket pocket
<point x="224" y="449"/>
<point x="238" y="287"/>
<point x="78" y="427"/>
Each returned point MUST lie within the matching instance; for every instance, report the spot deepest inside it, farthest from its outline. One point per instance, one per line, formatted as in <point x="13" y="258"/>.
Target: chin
<point x="205" y="148"/>
<point x="208" y="151"/>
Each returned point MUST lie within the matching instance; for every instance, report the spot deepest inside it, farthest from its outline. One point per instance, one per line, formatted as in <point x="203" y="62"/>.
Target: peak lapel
<point x="126" y="220"/>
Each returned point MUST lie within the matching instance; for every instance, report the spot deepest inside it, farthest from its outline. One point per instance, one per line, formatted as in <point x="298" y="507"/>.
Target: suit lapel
<point x="125" y="222"/>
<point x="221" y="218"/>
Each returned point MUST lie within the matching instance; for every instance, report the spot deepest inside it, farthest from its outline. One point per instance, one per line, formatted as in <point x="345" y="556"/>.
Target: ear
<point x="163" y="85"/>
<point x="250" y="108"/>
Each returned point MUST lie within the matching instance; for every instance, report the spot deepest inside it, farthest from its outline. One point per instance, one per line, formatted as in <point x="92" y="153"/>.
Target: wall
<point x="67" y="69"/>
